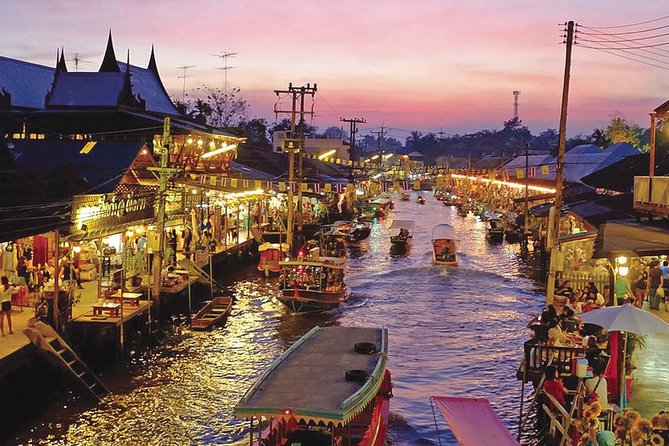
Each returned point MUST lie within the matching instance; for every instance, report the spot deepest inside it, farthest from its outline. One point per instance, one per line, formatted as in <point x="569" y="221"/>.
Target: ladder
<point x="194" y="270"/>
<point x="48" y="341"/>
<point x="157" y="333"/>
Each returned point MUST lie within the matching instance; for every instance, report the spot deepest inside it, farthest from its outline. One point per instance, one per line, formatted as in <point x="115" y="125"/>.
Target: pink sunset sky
<point x="420" y="64"/>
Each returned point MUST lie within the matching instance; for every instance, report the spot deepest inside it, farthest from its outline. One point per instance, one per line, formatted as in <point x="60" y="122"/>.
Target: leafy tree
<point x="284" y="125"/>
<point x="598" y="137"/>
<point x="334" y="132"/>
<point x="620" y="130"/>
<point x="413" y="140"/>
<point x="255" y="130"/>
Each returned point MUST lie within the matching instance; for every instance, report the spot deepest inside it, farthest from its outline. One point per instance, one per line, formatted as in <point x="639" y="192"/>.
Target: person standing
<point x="187" y="235"/>
<point x="655" y="281"/>
<point x="6" y="304"/>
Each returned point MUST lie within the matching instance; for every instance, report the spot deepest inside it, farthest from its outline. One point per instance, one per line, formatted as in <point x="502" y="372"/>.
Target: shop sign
<point x="101" y="212"/>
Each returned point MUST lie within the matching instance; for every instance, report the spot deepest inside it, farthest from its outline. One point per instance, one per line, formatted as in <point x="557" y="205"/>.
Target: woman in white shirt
<point x="598" y="385"/>
<point x="6" y="304"/>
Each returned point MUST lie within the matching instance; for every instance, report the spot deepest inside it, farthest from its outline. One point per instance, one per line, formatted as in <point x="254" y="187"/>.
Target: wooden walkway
<point x="650" y="378"/>
<point x="10" y="344"/>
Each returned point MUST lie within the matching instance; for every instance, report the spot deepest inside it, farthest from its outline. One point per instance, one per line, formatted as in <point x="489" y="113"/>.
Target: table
<point x="112" y="309"/>
<point x="20" y="298"/>
<point x="132" y="298"/>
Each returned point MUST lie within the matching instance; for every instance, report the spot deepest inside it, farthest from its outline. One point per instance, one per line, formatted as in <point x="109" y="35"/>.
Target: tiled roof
<point x="101" y="167"/>
<point x="149" y="86"/>
<point x="26" y="82"/>
<point x="86" y="90"/>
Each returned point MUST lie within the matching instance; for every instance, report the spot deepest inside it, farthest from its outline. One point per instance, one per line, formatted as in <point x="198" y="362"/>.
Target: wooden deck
<point x="129" y="312"/>
<point x="11" y="344"/>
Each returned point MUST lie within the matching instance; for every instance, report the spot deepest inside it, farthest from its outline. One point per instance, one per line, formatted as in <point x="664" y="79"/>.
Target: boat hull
<point x="214" y="313"/>
<point x="305" y="301"/>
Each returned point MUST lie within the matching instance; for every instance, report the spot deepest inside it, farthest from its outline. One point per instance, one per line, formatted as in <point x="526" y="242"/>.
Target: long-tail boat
<point x="331" y="387"/>
<point x="310" y="285"/>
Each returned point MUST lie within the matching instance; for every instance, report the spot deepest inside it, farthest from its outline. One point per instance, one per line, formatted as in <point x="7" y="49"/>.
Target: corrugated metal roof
<point x="86" y="90"/>
<point x="149" y="86"/>
<point x="101" y="168"/>
<point x="28" y="83"/>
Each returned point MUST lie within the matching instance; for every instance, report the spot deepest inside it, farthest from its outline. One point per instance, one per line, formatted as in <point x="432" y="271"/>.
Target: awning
<point x="631" y="240"/>
<point x="474" y="421"/>
<point x="586" y="235"/>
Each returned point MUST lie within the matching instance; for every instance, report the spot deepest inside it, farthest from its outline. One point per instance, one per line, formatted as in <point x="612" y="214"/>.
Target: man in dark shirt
<point x="655" y="281"/>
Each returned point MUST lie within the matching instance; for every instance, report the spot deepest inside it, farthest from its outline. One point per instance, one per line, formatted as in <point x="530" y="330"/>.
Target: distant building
<point x="316" y="146"/>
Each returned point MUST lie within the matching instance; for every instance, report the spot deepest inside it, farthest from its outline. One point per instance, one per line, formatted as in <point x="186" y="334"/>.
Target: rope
<point x="436" y="426"/>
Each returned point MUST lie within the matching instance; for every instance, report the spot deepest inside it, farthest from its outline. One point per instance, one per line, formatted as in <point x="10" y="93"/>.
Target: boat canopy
<point x="474" y="421"/>
<point x="402" y="224"/>
<point x="443" y="232"/>
<point x="381" y="200"/>
<point x="308" y="381"/>
<point x="280" y="246"/>
<point x="327" y="262"/>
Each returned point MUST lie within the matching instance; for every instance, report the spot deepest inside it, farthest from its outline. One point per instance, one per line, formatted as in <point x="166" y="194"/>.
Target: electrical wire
<point x="641" y="31"/>
<point x="625" y="57"/>
<point x="633" y="24"/>
<point x="637" y="39"/>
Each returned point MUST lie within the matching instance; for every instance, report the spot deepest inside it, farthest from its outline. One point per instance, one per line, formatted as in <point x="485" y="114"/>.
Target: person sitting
<point x="553" y="386"/>
<point x="589" y="305"/>
<point x="556" y="336"/>
<point x="565" y="289"/>
<point x="592" y="353"/>
<point x="569" y="321"/>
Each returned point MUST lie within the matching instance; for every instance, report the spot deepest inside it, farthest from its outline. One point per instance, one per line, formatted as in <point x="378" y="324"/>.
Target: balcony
<point x="651" y="195"/>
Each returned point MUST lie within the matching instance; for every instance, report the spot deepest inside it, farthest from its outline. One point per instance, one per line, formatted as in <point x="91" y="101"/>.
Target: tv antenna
<point x="185" y="69"/>
<point x="516" y="93"/>
<point x="78" y="60"/>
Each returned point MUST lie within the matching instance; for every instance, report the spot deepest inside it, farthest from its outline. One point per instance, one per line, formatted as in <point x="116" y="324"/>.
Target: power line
<point x="633" y="24"/>
<point x="625" y="57"/>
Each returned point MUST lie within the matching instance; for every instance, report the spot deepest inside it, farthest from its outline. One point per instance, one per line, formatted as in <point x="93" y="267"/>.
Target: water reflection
<point x="452" y="332"/>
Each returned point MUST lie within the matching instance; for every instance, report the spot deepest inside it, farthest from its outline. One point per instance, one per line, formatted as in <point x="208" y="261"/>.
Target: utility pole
<point x="559" y="168"/>
<point x="379" y="142"/>
<point x="185" y="69"/>
<point x="293" y="145"/>
<point x="164" y="174"/>
<point x="351" y="149"/>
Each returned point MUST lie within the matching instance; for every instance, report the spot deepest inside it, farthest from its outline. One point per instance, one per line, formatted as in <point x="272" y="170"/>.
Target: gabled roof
<point x="147" y="84"/>
<point x="621" y="149"/>
<point x="73" y="90"/>
<point x="26" y="82"/>
<point x="532" y="161"/>
<point x="98" y="165"/>
<point x="585" y="149"/>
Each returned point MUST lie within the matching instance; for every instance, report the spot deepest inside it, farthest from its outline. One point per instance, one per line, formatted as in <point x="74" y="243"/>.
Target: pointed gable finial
<point x="60" y="65"/>
<point x="153" y="66"/>
<point x="109" y="63"/>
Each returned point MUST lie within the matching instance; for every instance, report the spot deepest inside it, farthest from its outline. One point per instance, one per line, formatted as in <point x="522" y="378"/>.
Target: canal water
<point x="453" y="331"/>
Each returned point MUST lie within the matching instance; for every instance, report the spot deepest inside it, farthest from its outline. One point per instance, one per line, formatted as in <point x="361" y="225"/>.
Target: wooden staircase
<point x="157" y="333"/>
<point x="194" y="270"/>
<point x="45" y="338"/>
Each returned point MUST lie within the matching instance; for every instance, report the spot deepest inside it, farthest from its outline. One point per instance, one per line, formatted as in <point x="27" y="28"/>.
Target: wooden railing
<point x="580" y="280"/>
<point x="537" y="357"/>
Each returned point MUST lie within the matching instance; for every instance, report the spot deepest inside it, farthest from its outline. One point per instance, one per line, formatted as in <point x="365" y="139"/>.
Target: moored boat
<point x="404" y="196"/>
<point x="213" y="313"/>
<point x="353" y="231"/>
<point x="329" y="387"/>
<point x="270" y="254"/>
<point x="313" y="284"/>
<point x="495" y="232"/>
<point x="444" y="250"/>
<point x="420" y="200"/>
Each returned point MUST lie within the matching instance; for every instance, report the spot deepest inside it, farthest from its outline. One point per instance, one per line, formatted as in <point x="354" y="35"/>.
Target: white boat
<point x="444" y="250"/>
